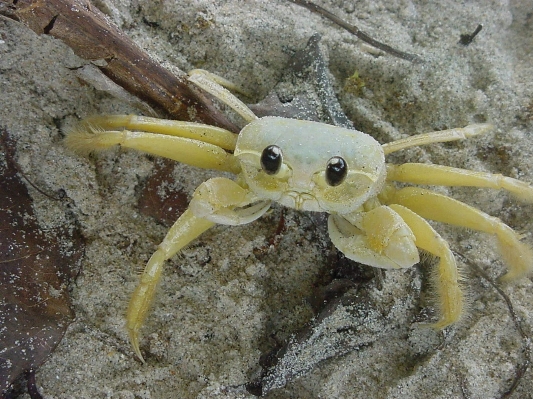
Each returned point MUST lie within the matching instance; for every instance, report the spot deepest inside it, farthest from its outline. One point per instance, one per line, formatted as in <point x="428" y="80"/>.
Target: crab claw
<point x="134" y="341"/>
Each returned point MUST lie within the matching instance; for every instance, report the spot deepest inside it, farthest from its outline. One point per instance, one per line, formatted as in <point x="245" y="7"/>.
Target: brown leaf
<point x="158" y="200"/>
<point x="35" y="271"/>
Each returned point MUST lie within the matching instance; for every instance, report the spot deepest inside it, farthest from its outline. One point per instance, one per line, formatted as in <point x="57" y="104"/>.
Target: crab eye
<point x="271" y="159"/>
<point x="336" y="170"/>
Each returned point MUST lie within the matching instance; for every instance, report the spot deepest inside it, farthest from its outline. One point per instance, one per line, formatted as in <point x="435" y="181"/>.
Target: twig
<point x="356" y="31"/>
<point x="467" y="39"/>
<point x="526" y="341"/>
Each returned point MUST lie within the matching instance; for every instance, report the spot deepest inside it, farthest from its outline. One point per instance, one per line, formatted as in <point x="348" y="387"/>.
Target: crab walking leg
<point x="447" y="277"/>
<point x="185" y="150"/>
<point x="205" y="80"/>
<point x="186" y="229"/>
<point x="218" y="200"/>
<point x="220" y="80"/>
<point x="439" y="175"/>
<point x="192" y="130"/>
<point x="437" y="137"/>
<point x="430" y="205"/>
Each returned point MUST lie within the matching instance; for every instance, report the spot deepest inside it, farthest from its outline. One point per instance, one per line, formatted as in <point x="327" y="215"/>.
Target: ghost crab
<point x="312" y="166"/>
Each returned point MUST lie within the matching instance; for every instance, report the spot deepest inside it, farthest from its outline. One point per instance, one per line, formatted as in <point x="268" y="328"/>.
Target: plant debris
<point x="525" y="359"/>
<point x="468" y="38"/>
<point x="36" y="268"/>
<point x="157" y="198"/>
<point x="357" y="32"/>
<point x="92" y="36"/>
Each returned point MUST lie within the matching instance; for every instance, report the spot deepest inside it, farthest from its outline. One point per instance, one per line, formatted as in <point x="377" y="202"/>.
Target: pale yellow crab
<point x="316" y="167"/>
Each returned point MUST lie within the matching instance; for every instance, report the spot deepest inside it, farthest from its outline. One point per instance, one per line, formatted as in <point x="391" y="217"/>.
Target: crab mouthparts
<point x="300" y="201"/>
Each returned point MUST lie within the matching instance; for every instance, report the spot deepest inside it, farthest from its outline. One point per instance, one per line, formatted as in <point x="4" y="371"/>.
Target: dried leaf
<point x="158" y="200"/>
<point x="35" y="271"/>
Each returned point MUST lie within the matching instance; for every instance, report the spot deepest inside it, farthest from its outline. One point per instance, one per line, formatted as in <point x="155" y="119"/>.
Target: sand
<point x="219" y="306"/>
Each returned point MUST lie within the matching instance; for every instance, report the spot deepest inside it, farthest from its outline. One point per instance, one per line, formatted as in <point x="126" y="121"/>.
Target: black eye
<point x="336" y="171"/>
<point x="271" y="159"/>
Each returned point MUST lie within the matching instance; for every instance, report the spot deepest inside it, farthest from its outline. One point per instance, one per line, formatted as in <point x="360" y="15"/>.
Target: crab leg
<point x="447" y="285"/>
<point x="214" y="85"/>
<point x="437" y="137"/>
<point x="218" y="200"/>
<point x="182" y="149"/>
<point x="192" y="130"/>
<point x="184" y="230"/>
<point x="430" y="205"/>
<point x="419" y="173"/>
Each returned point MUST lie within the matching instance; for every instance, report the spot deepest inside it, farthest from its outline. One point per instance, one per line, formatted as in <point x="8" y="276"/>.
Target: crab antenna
<point x="437" y="137"/>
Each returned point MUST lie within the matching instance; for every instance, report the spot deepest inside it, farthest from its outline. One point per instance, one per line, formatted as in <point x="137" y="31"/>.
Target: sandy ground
<point x="220" y="306"/>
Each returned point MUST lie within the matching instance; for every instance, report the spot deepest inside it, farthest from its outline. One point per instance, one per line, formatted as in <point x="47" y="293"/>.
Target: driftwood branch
<point x="92" y="36"/>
